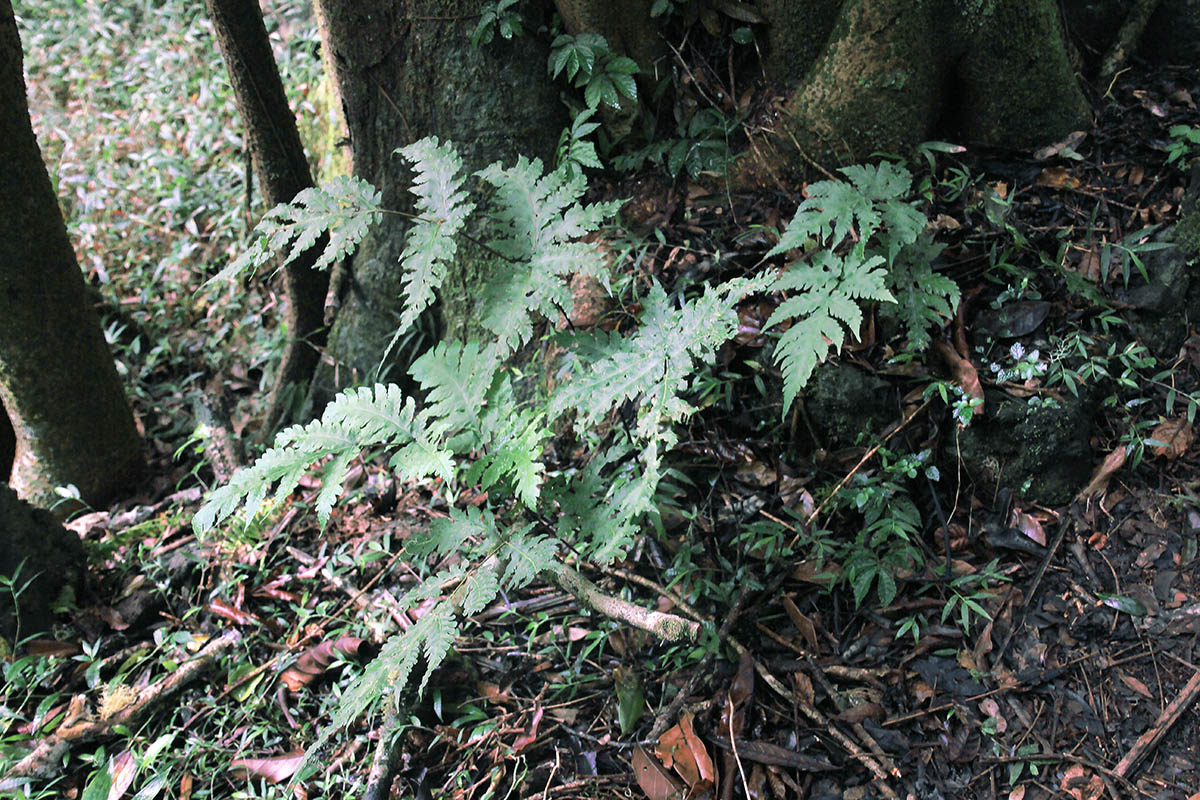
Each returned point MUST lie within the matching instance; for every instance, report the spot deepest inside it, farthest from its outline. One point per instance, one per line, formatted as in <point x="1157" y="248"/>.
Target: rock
<point x="36" y="548"/>
<point x="844" y="401"/>
<point x="1041" y="452"/>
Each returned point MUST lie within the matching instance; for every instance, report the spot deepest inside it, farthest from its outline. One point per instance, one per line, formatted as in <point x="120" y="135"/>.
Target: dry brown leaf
<point x="313" y="662"/>
<point x="526" y="739"/>
<point x="1029" y="526"/>
<point x="1098" y="485"/>
<point x="121" y="770"/>
<point x="1176" y="436"/>
<point x="1136" y="685"/>
<point x="963" y="372"/>
<point x="276" y="769"/>
<point x="860" y="712"/>
<point x="1057" y="178"/>
<point x="653" y="777"/>
<point x="697" y="750"/>
<point x="802" y="622"/>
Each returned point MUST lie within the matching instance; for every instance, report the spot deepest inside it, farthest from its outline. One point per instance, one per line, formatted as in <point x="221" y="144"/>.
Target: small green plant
<point x="1184" y="140"/>
<point x="586" y="60"/>
<point x="497" y="17"/>
<point x="859" y="241"/>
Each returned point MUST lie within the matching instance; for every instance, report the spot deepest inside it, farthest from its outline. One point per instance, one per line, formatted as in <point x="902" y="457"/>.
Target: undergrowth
<point x="623" y="394"/>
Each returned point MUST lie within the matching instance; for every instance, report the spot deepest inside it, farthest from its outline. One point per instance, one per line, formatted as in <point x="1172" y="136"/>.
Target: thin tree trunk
<point x="282" y="171"/>
<point x="58" y="383"/>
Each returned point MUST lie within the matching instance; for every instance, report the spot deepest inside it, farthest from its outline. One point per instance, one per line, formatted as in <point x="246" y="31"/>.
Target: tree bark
<point x="58" y="383"/>
<point x="406" y="70"/>
<point x="889" y="74"/>
<point x="282" y="170"/>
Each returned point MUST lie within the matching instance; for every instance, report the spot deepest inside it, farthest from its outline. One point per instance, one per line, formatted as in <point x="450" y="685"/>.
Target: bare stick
<point x="1149" y="740"/>
<point x="664" y="626"/>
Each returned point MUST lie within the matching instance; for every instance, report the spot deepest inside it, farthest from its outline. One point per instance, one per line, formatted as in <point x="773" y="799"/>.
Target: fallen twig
<point x="1170" y="715"/>
<point x="665" y="626"/>
<point x="46" y="759"/>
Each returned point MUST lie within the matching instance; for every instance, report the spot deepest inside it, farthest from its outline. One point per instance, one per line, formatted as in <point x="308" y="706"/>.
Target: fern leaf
<point x="450" y="535"/>
<point x="355" y="420"/>
<point x="924" y="299"/>
<point x="524" y="557"/>
<point x="825" y="308"/>
<point x="430" y="245"/>
<point x="344" y="208"/>
<point x="654" y="365"/>
<point x="481" y="587"/>
<point x="456" y="378"/>
<point x="440" y="628"/>
<point x="537" y="219"/>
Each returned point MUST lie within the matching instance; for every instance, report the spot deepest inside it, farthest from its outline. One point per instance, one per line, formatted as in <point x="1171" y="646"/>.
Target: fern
<point x="537" y="220"/>
<point x="924" y="299"/>
<point x="344" y="208"/>
<point x="444" y="209"/>
<point x="886" y="258"/>
<point x="653" y="367"/>
<point x="825" y="308"/>
<point x="355" y="420"/>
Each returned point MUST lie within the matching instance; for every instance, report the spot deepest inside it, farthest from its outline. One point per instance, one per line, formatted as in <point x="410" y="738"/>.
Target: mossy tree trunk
<point x="888" y="74"/>
<point x="282" y="170"/>
<point x="58" y="383"/>
<point x="406" y="70"/>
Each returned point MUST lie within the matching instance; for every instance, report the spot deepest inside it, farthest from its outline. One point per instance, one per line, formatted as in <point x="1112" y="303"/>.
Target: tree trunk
<point x="57" y="379"/>
<point x="406" y="70"/>
<point x="282" y="171"/>
<point x="889" y="74"/>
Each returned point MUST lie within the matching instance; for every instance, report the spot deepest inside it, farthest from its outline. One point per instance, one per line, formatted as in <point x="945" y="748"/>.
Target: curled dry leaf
<point x="1176" y="437"/>
<point x="963" y="372"/>
<point x="1029" y="525"/>
<point x="1098" y="485"/>
<point x="276" y="769"/>
<point x="313" y="662"/>
<point x="234" y="615"/>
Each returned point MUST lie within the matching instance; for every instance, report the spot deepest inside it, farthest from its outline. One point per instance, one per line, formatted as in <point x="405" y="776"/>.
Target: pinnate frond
<point x="443" y="207"/>
<point x="355" y="420"/>
<point x="344" y="208"/>
<point x="825" y="307"/>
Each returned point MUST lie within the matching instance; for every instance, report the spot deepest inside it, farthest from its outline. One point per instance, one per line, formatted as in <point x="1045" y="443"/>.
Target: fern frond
<point x="654" y="365"/>
<point x="924" y="299"/>
<point x="537" y="219"/>
<point x="443" y="207"/>
<point x="825" y="308"/>
<point x="345" y="208"/>
<point x="873" y="197"/>
<point x="355" y="420"/>
<point x="524" y="556"/>
<point x="456" y="378"/>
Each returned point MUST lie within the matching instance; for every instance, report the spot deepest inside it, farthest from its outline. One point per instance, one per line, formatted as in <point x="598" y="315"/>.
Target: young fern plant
<point x="469" y="427"/>
<point x="859" y="241"/>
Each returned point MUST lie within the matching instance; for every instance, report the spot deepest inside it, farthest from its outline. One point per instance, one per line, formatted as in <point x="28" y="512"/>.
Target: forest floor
<point x="1072" y="671"/>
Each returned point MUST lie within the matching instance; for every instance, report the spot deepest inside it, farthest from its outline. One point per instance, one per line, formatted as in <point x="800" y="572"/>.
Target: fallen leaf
<point x="1029" y="526"/>
<point x="1098" y="484"/>
<point x="526" y="739"/>
<point x="1051" y="150"/>
<point x="802" y="623"/>
<point x="653" y="777"/>
<point x="1057" y="178"/>
<point x="1174" y="437"/>
<point x="122" y="769"/>
<point x="276" y="769"/>
<point x="697" y="749"/>
<point x="1136" y="685"/>
<point x="313" y="662"/>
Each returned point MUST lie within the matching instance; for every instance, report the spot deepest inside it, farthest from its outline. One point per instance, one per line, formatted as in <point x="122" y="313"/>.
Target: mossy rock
<point x="1041" y="452"/>
<point x="35" y="548"/>
<point x="844" y="401"/>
